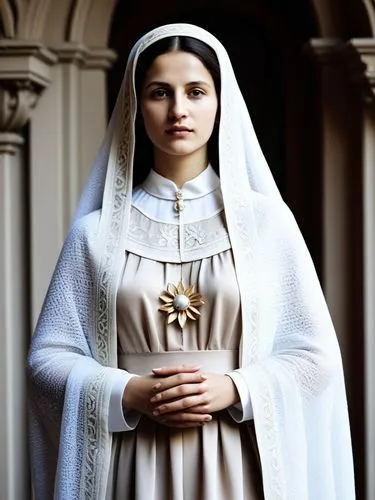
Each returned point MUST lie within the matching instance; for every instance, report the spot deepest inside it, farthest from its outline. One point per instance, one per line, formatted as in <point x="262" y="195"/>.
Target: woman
<point x="186" y="309"/>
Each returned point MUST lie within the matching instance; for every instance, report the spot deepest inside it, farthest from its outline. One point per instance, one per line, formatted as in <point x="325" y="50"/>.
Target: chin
<point x="183" y="149"/>
<point x="179" y="151"/>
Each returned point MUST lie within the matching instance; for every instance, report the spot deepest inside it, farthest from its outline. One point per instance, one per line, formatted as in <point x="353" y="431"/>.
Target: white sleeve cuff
<point x="243" y="410"/>
<point x="120" y="419"/>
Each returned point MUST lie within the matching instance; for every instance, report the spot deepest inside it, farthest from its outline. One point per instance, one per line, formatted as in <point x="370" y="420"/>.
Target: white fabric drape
<point x="290" y="358"/>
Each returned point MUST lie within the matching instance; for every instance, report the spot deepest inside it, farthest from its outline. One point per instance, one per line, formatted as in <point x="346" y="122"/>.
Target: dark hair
<point x="143" y="147"/>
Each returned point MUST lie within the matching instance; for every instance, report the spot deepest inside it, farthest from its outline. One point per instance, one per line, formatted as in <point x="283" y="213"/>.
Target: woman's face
<point x="179" y="105"/>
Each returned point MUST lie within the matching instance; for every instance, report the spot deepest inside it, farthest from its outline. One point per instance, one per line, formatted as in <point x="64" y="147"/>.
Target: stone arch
<point x="98" y="24"/>
<point x="79" y="21"/>
<point x="369" y="5"/>
<point x="89" y="21"/>
<point x="24" y="20"/>
<point x="347" y="19"/>
<point x="84" y="22"/>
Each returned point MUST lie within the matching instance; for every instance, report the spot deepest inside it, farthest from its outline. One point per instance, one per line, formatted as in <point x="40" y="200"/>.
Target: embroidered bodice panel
<point x="171" y="224"/>
<point x="178" y="242"/>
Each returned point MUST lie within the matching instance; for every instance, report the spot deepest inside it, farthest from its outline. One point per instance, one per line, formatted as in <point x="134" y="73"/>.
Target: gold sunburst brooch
<point x="181" y="303"/>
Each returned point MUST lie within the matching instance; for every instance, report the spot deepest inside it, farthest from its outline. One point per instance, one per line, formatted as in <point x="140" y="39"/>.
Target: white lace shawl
<point x="290" y="358"/>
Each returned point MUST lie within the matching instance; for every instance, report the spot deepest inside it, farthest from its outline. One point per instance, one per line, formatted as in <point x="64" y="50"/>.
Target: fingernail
<point x="157" y="369"/>
<point x="208" y="419"/>
<point x="156" y="387"/>
<point x="155" y="398"/>
<point x="203" y="377"/>
<point x="155" y="413"/>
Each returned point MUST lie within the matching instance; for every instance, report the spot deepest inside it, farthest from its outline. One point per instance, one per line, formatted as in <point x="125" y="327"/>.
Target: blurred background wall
<point x="307" y="72"/>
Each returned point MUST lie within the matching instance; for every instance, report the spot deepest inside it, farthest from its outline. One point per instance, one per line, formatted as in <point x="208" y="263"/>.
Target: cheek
<point x="151" y="114"/>
<point x="209" y="116"/>
<point x="147" y="117"/>
<point x="150" y="122"/>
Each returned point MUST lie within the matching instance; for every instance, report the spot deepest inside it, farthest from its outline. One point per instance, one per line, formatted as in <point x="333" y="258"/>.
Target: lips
<point x="178" y="130"/>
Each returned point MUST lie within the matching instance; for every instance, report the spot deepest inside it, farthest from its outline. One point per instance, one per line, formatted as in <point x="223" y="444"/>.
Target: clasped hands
<point x="180" y="396"/>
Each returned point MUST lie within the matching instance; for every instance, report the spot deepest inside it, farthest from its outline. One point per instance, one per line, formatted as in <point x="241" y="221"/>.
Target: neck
<point x="179" y="169"/>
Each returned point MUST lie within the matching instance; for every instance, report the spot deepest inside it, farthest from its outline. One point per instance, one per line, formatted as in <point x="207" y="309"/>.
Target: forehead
<point x="177" y="67"/>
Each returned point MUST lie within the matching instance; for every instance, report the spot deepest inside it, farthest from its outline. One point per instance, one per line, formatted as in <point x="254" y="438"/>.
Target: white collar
<point x="162" y="187"/>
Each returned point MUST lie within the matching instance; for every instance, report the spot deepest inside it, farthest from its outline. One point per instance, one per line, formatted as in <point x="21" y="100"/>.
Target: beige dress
<point x="218" y="461"/>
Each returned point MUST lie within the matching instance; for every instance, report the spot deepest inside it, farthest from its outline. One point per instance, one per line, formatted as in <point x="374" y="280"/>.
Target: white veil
<point x="290" y="358"/>
<point x="243" y="168"/>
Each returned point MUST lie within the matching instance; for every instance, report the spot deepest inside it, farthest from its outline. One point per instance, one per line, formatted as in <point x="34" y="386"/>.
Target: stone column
<point x="66" y="132"/>
<point x="341" y="157"/>
<point x="334" y="180"/>
<point x="93" y="99"/>
<point x="24" y="72"/>
<point x="365" y="50"/>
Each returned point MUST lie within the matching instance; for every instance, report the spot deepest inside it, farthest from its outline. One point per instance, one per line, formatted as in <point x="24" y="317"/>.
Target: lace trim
<point x="93" y="441"/>
<point x="160" y="241"/>
<point x="276" y="485"/>
<point x="112" y="230"/>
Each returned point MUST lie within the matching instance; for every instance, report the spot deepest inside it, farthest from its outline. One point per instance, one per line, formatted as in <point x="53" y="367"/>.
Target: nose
<point x="178" y="108"/>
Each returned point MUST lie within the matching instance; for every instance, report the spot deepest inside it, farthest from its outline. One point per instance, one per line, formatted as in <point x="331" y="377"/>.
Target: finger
<point x="179" y="379"/>
<point x="178" y="391"/>
<point x="184" y="425"/>
<point x="184" y="417"/>
<point x="202" y="409"/>
<point x="180" y="404"/>
<point x="166" y="371"/>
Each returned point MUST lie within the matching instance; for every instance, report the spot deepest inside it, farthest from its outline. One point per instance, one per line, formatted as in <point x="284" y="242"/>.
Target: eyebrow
<point x="165" y="84"/>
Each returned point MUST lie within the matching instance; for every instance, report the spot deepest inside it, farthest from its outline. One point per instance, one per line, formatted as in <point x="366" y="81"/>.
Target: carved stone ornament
<point x="365" y="53"/>
<point x="24" y="74"/>
<point x="355" y="58"/>
<point x="17" y="99"/>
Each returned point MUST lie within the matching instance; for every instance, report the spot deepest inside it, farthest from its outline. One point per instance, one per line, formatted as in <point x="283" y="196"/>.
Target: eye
<point x="196" y="93"/>
<point x="159" y="94"/>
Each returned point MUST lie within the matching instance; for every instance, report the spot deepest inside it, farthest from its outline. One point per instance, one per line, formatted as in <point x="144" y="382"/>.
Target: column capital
<point x="336" y="53"/>
<point x="98" y="58"/>
<point x="10" y="142"/>
<point x="24" y="74"/>
<point x="326" y="51"/>
<point x="70" y="52"/>
<point x="364" y="51"/>
<point x="355" y="57"/>
<point x="85" y="57"/>
<point x="24" y="60"/>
